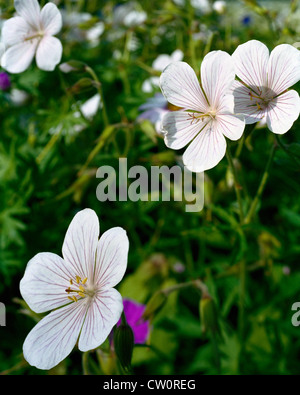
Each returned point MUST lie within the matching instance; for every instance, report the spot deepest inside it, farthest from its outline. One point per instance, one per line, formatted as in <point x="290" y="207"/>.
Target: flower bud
<point x="156" y="302"/>
<point x="208" y="314"/>
<point x="72" y="66"/>
<point x="124" y="343"/>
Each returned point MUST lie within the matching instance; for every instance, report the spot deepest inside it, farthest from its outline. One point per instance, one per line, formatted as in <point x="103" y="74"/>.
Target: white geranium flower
<point x="79" y="290"/>
<point x="206" y="116"/>
<point x="2" y="50"/>
<point x="262" y="92"/>
<point x="31" y="33"/>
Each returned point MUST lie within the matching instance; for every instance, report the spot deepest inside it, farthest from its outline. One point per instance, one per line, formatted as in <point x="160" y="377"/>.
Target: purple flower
<point x="133" y="312"/>
<point x="4" y="81"/>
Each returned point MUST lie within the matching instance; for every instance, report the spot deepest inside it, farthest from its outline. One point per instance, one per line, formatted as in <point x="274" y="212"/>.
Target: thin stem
<point x="237" y="185"/>
<point x="100" y="91"/>
<point x="261" y="187"/>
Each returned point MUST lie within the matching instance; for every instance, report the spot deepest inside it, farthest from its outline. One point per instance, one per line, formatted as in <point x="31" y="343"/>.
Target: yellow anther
<point x="84" y="281"/>
<point x="258" y="106"/>
<point x="71" y="281"/>
<point x="73" y="298"/>
<point x="81" y="294"/>
<point x="81" y="288"/>
<point x="78" y="279"/>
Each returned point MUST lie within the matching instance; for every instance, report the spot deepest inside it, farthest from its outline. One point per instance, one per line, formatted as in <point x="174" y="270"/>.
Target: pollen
<point x="78" y="290"/>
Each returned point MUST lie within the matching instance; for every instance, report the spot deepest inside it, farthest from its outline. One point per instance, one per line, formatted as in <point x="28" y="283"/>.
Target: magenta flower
<point x="4" y="81"/>
<point x="133" y="312"/>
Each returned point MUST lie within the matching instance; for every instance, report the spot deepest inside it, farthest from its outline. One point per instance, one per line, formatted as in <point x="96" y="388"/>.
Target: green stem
<point x="237" y="185"/>
<point x="100" y="91"/>
<point x="261" y="187"/>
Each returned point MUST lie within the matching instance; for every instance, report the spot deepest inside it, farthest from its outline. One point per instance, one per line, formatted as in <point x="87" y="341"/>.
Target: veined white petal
<point x="54" y="337"/>
<point x="283" y="68"/>
<point x="217" y="76"/>
<point x="51" y="19"/>
<point x="245" y="105"/>
<point x="30" y="11"/>
<point x="49" y="53"/>
<point x="181" y="87"/>
<point x="79" y="247"/>
<point x="283" y="112"/>
<point x="103" y="314"/>
<point x="18" y="58"/>
<point x="14" y="31"/>
<point x="206" y="150"/>
<point x="111" y="258"/>
<point x="232" y="126"/>
<point x="2" y="50"/>
<point x="181" y="127"/>
<point x="44" y="283"/>
<point x="251" y="63"/>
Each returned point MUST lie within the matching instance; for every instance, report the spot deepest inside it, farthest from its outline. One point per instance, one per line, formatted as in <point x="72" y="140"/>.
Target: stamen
<point x="81" y="291"/>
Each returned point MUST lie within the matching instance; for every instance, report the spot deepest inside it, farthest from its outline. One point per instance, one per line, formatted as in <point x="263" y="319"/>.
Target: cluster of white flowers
<point x="78" y="288"/>
<point x="221" y="105"/>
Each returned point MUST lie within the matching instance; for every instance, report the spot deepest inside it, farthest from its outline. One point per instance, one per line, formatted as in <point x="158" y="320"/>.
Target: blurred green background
<point x="48" y="173"/>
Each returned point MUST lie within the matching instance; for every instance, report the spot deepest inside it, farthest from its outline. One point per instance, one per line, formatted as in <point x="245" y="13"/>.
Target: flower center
<point x="263" y="98"/>
<point x="79" y="290"/>
<point x="39" y="34"/>
<point x="195" y="117"/>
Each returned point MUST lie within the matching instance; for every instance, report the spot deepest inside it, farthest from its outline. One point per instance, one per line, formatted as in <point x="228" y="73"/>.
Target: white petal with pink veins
<point x="103" y="314"/>
<point x="283" y="68"/>
<point x="217" y="76"/>
<point x="181" y="87"/>
<point x="111" y="258"/>
<point x="283" y="112"/>
<point x="79" y="247"/>
<point x="206" y="150"/>
<point x="54" y="337"/>
<point x="251" y="63"/>
<point x="44" y="283"/>
<point x="181" y="127"/>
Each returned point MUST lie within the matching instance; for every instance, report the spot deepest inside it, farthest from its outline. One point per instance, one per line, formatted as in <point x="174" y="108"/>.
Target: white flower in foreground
<point x="2" y="50"/>
<point x="206" y="116"/>
<point x="31" y="33"/>
<point x="79" y="290"/>
<point x="262" y="92"/>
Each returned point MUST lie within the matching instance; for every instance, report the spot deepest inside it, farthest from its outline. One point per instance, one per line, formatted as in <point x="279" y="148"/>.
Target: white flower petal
<point x="80" y="243"/>
<point x="30" y="11"/>
<point x="245" y="105"/>
<point x="54" y="337"/>
<point x="103" y="314"/>
<point x="232" y="126"/>
<point x="283" y="112"/>
<point x="14" y="31"/>
<point x="205" y="151"/>
<point x="217" y="76"/>
<point x="181" y="87"/>
<point x="49" y="53"/>
<point x="251" y="63"/>
<point x="180" y="128"/>
<point x="51" y="19"/>
<point x="111" y="257"/>
<point x="283" y="68"/>
<point x="18" y="58"/>
<point x="44" y="283"/>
